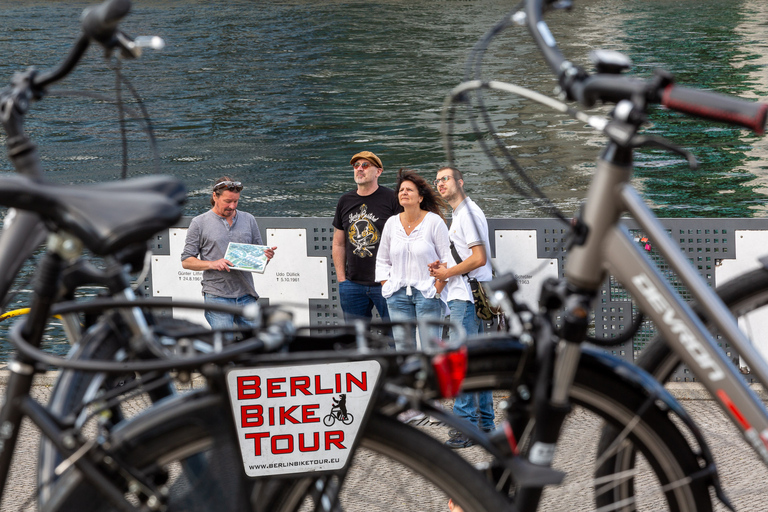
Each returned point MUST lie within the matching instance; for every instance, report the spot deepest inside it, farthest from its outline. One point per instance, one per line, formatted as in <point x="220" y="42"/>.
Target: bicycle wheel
<point x="397" y="467"/>
<point x="347" y="420"/>
<point x="329" y="420"/>
<point x="101" y="342"/>
<point x="647" y="468"/>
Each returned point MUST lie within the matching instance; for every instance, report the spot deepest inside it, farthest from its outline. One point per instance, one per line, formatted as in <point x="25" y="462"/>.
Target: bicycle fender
<point x="663" y="400"/>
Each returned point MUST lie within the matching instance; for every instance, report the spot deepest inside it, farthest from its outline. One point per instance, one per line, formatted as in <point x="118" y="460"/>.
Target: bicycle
<point x="160" y="428"/>
<point x="336" y="414"/>
<point x="121" y="467"/>
<point x="598" y="245"/>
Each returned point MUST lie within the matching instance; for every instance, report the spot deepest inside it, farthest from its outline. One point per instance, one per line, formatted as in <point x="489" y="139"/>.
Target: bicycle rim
<point x="646" y="467"/>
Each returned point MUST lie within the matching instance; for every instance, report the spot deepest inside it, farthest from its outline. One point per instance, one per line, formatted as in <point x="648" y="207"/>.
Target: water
<point x="281" y="94"/>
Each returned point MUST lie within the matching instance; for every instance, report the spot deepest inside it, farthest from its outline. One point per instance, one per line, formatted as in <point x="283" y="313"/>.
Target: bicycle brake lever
<point x="132" y="48"/>
<point x="649" y="140"/>
<point x="624" y="135"/>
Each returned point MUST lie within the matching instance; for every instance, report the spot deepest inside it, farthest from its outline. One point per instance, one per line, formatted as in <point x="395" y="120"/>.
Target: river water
<point x="281" y="94"/>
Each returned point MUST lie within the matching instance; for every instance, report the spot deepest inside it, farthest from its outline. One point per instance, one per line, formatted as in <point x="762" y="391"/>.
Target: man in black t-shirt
<point x="359" y="220"/>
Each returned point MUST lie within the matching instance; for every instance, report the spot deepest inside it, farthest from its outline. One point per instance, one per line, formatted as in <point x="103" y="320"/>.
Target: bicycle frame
<point x="608" y="243"/>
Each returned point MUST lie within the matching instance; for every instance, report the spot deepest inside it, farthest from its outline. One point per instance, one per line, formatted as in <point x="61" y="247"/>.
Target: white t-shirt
<point x="403" y="259"/>
<point x="469" y="228"/>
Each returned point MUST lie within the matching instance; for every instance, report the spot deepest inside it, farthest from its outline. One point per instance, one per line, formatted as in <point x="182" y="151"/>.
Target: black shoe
<point x="459" y="441"/>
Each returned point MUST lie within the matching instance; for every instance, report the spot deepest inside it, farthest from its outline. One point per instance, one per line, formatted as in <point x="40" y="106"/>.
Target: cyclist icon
<point x="338" y="412"/>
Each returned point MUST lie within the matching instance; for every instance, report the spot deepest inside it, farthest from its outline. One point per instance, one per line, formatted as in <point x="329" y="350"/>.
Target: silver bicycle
<point x="600" y="245"/>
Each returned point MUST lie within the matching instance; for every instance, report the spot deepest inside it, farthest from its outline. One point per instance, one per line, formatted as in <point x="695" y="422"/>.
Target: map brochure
<point x="247" y="257"/>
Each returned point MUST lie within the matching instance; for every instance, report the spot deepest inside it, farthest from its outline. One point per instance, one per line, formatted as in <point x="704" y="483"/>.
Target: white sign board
<point x="299" y="419"/>
<point x="516" y="252"/>
<point x="290" y="279"/>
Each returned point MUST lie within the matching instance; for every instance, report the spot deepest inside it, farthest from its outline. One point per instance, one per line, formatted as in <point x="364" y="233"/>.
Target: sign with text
<point x="299" y="419"/>
<point x="290" y="280"/>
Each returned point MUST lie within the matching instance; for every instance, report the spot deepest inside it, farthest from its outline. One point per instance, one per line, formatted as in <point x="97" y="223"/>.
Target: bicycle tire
<point x="68" y="391"/>
<point x="422" y="473"/>
<point x="100" y="343"/>
<point x="329" y="420"/>
<point x="599" y="396"/>
<point x="745" y="295"/>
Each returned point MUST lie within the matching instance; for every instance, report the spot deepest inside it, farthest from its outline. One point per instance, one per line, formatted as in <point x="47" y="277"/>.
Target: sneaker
<point x="410" y="416"/>
<point x="459" y="441"/>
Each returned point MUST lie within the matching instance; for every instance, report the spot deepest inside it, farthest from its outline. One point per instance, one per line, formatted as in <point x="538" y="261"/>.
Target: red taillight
<point x="450" y="370"/>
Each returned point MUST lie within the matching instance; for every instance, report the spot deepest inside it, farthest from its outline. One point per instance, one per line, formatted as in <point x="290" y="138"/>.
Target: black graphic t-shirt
<point x="362" y="219"/>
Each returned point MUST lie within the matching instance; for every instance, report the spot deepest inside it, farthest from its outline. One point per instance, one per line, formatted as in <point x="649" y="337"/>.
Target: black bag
<point x="483" y="308"/>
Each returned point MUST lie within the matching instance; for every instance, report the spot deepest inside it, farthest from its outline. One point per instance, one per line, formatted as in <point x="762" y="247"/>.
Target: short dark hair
<point x="431" y="202"/>
<point x="454" y="171"/>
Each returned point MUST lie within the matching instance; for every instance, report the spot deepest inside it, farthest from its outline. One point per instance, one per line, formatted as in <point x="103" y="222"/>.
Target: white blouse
<point x="402" y="259"/>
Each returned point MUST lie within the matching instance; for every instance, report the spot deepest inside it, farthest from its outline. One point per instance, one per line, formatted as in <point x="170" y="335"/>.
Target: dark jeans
<point x="223" y="320"/>
<point x="358" y="300"/>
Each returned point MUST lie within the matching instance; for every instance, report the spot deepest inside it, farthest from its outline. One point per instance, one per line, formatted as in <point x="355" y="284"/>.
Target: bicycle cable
<point x="473" y="68"/>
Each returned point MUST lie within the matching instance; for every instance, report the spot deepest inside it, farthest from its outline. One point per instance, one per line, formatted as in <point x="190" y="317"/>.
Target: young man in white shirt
<point x="469" y="235"/>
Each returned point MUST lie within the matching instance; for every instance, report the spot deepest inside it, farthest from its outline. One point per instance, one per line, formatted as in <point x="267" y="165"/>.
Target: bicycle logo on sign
<point x="338" y="412"/>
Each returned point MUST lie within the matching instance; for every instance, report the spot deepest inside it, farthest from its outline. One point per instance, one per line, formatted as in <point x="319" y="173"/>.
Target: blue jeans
<point x="405" y="307"/>
<point x="358" y="300"/>
<point x="218" y="320"/>
<point x="475" y="407"/>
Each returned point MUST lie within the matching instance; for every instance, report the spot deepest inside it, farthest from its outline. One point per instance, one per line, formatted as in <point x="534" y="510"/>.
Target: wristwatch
<point x="437" y="295"/>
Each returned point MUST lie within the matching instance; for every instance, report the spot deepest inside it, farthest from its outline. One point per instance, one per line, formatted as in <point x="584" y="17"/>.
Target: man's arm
<point x="190" y="260"/>
<point x="476" y="260"/>
<point x="193" y="263"/>
<point x="339" y="254"/>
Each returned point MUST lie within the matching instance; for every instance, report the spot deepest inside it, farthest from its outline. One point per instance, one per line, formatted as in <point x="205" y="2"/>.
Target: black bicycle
<point x="634" y="464"/>
<point x="181" y="452"/>
<point x="336" y="414"/>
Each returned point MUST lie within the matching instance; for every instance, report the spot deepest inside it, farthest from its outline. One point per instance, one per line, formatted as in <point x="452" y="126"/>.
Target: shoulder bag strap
<point x="457" y="258"/>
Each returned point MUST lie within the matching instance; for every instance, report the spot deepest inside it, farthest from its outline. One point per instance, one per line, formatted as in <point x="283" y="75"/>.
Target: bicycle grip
<point x="100" y="21"/>
<point x="717" y="107"/>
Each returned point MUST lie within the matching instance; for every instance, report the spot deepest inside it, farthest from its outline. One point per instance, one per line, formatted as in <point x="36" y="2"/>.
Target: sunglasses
<point x="229" y="185"/>
<point x="362" y="165"/>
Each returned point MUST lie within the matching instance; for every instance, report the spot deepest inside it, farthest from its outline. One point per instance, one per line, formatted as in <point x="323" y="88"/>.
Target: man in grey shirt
<point x="207" y="239"/>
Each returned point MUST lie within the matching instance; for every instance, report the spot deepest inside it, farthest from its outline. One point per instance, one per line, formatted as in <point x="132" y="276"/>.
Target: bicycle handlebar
<point x="588" y="89"/>
<point x="100" y="21"/>
<point x="717" y="107"/>
<point x="99" y="24"/>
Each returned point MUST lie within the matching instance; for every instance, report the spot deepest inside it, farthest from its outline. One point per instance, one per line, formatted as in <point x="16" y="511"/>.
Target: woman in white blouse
<point x="411" y="241"/>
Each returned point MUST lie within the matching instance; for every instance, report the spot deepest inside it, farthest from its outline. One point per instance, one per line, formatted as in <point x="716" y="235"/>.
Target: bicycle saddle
<point x="105" y="216"/>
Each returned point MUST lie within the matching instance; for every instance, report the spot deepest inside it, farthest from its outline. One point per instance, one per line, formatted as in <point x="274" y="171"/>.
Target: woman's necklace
<point x="414" y="222"/>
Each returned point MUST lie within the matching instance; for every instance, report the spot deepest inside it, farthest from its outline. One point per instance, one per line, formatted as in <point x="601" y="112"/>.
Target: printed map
<point x="247" y="257"/>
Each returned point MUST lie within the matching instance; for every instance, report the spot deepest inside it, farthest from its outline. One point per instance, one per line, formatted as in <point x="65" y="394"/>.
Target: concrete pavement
<point x="744" y="477"/>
